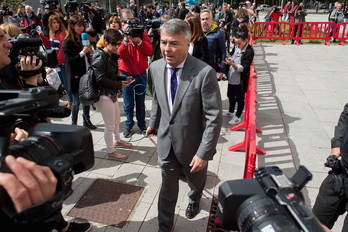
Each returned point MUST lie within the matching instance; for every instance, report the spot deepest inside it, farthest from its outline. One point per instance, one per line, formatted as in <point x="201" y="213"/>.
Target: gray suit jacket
<point x="194" y="126"/>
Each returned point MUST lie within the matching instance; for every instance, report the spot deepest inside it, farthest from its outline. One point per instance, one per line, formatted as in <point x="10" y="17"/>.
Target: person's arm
<point x="340" y="129"/>
<point x="99" y="65"/>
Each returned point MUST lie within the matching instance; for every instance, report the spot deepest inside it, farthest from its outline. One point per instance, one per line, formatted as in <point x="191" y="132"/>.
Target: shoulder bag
<point x="88" y="88"/>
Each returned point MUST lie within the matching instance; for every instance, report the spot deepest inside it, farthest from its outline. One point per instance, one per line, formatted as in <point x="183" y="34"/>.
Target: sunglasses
<point x="115" y="43"/>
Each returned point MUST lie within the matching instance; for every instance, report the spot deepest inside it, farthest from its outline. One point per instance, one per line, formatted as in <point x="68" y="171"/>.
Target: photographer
<point x="133" y="61"/>
<point x="29" y="184"/>
<point x="332" y="198"/>
<point x="225" y="22"/>
<point x="92" y="18"/>
<point x="275" y="15"/>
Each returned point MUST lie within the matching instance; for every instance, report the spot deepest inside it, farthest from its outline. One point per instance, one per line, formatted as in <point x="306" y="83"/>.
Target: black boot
<point x="87" y="123"/>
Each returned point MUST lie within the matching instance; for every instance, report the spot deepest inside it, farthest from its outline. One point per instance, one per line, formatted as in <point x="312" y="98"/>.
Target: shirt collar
<point x="181" y="65"/>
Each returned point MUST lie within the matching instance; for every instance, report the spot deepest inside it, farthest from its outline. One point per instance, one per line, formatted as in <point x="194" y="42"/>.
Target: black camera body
<point x="65" y="149"/>
<point x="71" y="6"/>
<point x="276" y="9"/>
<point x="155" y="24"/>
<point x="23" y="44"/>
<point x="4" y="11"/>
<point x="134" y="29"/>
<point x="270" y="201"/>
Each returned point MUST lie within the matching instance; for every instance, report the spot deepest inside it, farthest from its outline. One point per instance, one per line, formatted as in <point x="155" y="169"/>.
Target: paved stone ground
<point x="301" y="92"/>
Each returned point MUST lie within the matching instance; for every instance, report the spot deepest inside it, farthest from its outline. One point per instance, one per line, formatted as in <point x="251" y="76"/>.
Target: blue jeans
<point x="62" y="78"/>
<point x="75" y="107"/>
<point x="135" y="92"/>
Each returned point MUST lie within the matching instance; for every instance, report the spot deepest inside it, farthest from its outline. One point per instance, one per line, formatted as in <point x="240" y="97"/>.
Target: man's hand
<point x="336" y="151"/>
<point x="197" y="164"/>
<point x="150" y="131"/>
<point x="135" y="40"/>
<point x="29" y="184"/>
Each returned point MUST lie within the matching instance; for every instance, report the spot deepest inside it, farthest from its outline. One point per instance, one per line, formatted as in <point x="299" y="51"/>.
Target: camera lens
<point x="260" y="212"/>
<point x="35" y="148"/>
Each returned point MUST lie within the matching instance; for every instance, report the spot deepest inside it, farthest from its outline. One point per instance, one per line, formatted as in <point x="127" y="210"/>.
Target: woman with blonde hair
<point x="11" y="29"/>
<point x="198" y="43"/>
<point x="114" y="23"/>
<point x="76" y="64"/>
<point x="57" y="33"/>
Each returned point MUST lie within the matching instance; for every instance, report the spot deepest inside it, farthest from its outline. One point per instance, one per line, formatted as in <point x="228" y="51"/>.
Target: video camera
<point x="4" y="11"/>
<point x="134" y="28"/>
<point x="71" y="6"/>
<point x="23" y="44"/>
<point x="270" y="202"/>
<point x="65" y="149"/>
<point x="50" y="2"/>
<point x="275" y="9"/>
<point x="84" y="6"/>
<point x="155" y="24"/>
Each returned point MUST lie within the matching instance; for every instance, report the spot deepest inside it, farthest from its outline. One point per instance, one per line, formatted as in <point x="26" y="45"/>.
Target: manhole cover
<point x="107" y="202"/>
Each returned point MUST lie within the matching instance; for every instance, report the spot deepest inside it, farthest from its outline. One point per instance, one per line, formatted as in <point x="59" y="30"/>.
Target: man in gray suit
<point x="186" y="111"/>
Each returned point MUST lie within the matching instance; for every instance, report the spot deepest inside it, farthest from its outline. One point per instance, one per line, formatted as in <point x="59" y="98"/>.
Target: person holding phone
<point x="238" y="70"/>
<point x="105" y="68"/>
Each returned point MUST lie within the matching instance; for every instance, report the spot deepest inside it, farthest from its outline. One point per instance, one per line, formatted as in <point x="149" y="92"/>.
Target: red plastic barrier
<point x="299" y="31"/>
<point x="271" y="30"/>
<point x="341" y="32"/>
<point x="249" y="123"/>
<point x="313" y="30"/>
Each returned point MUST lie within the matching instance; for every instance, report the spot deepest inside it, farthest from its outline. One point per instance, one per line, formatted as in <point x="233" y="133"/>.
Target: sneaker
<point x="143" y="132"/>
<point x="234" y="120"/>
<point x="127" y="133"/>
<point x="123" y="144"/>
<point x="79" y="227"/>
<point x="117" y="155"/>
<point x="227" y="113"/>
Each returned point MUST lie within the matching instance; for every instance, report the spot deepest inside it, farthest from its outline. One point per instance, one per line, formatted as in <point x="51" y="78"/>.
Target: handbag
<point x="88" y="88"/>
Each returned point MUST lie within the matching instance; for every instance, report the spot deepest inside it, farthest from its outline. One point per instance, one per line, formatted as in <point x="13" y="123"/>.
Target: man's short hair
<point x="206" y="10"/>
<point x="177" y="26"/>
<point x="125" y="11"/>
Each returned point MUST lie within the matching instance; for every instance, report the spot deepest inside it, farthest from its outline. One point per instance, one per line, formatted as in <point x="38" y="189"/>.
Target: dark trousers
<point x="235" y="95"/>
<point x="331" y="201"/>
<point x="135" y="93"/>
<point x="168" y="196"/>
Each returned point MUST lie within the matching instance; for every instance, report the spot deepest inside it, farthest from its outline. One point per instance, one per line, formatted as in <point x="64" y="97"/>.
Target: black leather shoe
<point x="192" y="210"/>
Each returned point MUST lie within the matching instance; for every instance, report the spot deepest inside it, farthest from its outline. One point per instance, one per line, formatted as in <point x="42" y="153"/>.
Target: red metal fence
<point x="299" y="31"/>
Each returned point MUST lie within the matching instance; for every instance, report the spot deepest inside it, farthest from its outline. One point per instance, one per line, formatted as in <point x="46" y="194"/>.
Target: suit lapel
<point x="185" y="81"/>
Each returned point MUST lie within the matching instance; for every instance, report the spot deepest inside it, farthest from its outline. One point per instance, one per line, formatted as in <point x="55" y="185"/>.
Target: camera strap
<point x="29" y="73"/>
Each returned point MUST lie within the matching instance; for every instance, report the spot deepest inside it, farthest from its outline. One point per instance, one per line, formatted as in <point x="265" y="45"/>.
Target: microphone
<point x="85" y="40"/>
<point x="57" y="112"/>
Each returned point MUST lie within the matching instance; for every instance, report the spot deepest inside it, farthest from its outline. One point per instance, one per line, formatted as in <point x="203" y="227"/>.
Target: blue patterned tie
<point x="173" y="82"/>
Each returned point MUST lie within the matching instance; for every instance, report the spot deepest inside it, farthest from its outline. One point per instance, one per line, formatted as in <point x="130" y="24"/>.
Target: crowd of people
<point x="179" y="53"/>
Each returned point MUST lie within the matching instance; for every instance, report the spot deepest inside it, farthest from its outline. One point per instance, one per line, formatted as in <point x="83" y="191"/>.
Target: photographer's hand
<point x="28" y="63"/>
<point x="29" y="184"/>
<point x="20" y="134"/>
